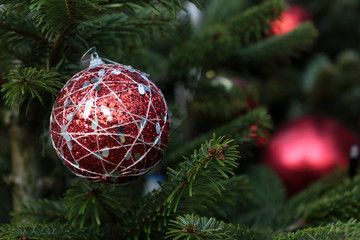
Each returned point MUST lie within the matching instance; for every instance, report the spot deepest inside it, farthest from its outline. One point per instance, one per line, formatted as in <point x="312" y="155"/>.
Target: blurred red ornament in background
<point x="289" y="20"/>
<point x="304" y="150"/>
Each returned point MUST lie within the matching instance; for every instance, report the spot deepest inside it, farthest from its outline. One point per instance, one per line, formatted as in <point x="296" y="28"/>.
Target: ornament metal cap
<point x="95" y="60"/>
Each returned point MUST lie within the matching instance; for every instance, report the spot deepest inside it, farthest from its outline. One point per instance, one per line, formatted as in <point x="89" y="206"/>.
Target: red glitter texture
<point x="110" y="124"/>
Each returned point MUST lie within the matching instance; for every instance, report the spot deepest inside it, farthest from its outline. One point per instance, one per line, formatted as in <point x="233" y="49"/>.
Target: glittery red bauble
<point x="289" y="20"/>
<point x="110" y="124"/>
<point x="306" y="149"/>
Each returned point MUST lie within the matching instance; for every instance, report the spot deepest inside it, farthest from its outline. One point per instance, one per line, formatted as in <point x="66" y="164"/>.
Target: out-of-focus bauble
<point x="290" y="19"/>
<point x="110" y="124"/>
<point x="304" y="150"/>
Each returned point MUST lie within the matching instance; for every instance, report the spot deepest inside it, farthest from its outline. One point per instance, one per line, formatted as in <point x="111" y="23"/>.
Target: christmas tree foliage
<point x="228" y="79"/>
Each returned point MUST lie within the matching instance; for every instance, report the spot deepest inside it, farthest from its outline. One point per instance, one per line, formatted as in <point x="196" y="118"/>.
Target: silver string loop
<point x="96" y="61"/>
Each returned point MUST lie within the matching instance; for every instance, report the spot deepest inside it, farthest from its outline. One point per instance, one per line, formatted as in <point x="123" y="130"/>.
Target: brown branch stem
<point x="23" y="32"/>
<point x="59" y="45"/>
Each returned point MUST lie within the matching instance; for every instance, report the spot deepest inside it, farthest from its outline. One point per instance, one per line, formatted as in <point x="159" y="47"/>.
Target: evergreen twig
<point x="214" y="161"/>
<point x="29" y="83"/>
<point x="201" y="228"/>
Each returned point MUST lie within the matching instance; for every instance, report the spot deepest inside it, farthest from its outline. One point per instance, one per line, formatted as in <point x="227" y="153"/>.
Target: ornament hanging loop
<point x="86" y="53"/>
<point x="95" y="60"/>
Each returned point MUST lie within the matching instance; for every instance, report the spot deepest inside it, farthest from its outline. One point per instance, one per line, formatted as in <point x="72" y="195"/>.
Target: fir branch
<point x="265" y="202"/>
<point x="339" y="204"/>
<point x="20" y="38"/>
<point x="122" y="28"/>
<point x="41" y="211"/>
<point x="338" y="207"/>
<point x="334" y="231"/>
<point x="54" y="16"/>
<point x="237" y="190"/>
<point x="216" y="44"/>
<point x="238" y="129"/>
<point x="25" y="32"/>
<point x="130" y="7"/>
<point x="57" y="48"/>
<point x="220" y="39"/>
<point x="234" y="97"/>
<point x="19" y="6"/>
<point x="296" y="209"/>
<point x="254" y="23"/>
<point x="199" y="228"/>
<point x="95" y="204"/>
<point x="322" y="202"/>
<point x="69" y="4"/>
<point x="29" y="83"/>
<point x="18" y="33"/>
<point x="217" y="12"/>
<point x="278" y="48"/>
<point x="43" y="231"/>
<point x="248" y="26"/>
<point x="214" y="161"/>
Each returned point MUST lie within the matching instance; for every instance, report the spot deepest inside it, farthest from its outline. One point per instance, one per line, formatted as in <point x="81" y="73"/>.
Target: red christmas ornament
<point x="289" y="20"/>
<point x="306" y="149"/>
<point x="110" y="123"/>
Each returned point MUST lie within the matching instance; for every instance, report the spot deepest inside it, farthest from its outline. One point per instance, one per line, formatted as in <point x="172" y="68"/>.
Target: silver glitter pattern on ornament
<point x="101" y="137"/>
